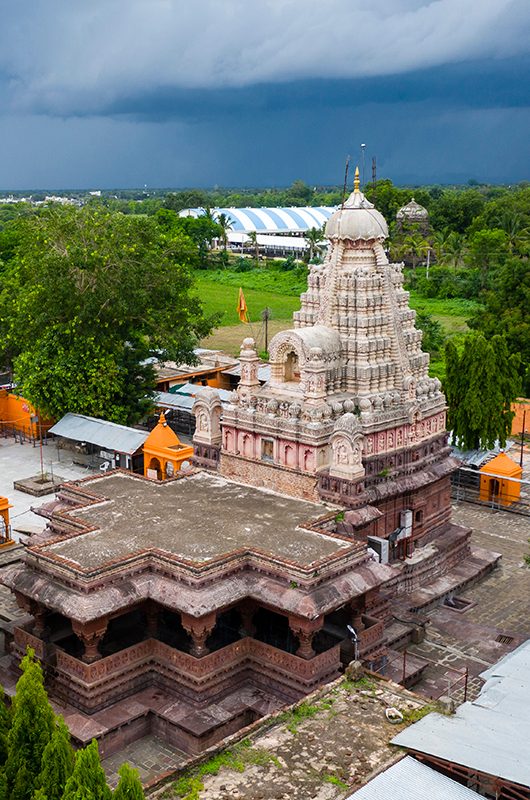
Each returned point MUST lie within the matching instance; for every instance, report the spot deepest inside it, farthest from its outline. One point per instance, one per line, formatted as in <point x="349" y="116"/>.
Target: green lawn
<point x="221" y="298"/>
<point x="280" y="292"/>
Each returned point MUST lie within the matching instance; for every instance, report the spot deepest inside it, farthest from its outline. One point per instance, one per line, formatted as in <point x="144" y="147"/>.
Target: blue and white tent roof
<point x="269" y="220"/>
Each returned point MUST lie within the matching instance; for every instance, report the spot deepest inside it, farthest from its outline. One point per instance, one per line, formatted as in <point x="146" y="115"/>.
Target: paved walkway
<point x="23" y="460"/>
<point x="150" y="756"/>
<point x="498" y="619"/>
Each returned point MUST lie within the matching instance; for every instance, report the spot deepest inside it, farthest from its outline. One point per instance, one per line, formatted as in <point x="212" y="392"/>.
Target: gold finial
<point x="356" y="181"/>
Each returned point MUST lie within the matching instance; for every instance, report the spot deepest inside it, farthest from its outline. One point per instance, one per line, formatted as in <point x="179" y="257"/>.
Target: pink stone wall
<point x="270" y="476"/>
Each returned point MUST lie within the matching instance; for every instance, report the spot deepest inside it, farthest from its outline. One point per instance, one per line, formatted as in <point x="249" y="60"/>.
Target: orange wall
<point x="517" y="422"/>
<point x="16" y="412"/>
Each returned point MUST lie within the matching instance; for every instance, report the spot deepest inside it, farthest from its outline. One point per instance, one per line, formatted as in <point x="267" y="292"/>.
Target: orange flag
<point x="242" y="307"/>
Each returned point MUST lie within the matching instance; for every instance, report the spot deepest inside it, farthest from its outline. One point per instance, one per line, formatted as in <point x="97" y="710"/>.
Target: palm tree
<point x="439" y="243"/>
<point x="253" y="240"/>
<point x="224" y="222"/>
<point x="413" y="247"/>
<point x="455" y="247"/>
<point x="513" y="224"/>
<point x="314" y="237"/>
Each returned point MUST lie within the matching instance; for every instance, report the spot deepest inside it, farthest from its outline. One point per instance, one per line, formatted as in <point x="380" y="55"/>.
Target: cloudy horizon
<point x="127" y="93"/>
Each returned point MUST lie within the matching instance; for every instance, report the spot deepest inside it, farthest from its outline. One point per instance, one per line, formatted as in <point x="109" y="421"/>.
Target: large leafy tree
<point x="481" y="382"/>
<point x="88" y="296"/>
<point x="87" y="781"/>
<point x="31" y="729"/>
<point x="506" y="312"/>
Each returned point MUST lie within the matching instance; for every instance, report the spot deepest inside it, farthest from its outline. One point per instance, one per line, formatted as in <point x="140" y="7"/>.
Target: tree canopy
<point x="480" y="384"/>
<point x="86" y="298"/>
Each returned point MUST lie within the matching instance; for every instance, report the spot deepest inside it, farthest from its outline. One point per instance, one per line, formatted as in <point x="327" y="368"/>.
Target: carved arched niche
<point x="287" y="359"/>
<point x="207" y="410"/>
<point x="347" y="448"/>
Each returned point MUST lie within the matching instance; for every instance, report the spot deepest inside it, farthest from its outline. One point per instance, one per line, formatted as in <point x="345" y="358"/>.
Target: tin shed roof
<point x="411" y="780"/>
<point x="100" y="432"/>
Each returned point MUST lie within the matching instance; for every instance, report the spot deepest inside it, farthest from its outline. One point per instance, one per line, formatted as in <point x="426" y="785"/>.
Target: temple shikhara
<point x="312" y="529"/>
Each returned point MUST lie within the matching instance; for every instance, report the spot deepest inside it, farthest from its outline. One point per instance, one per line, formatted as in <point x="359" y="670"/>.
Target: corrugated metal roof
<point x="100" y="432"/>
<point x="264" y="372"/>
<point x="194" y="389"/>
<point x="492" y="733"/>
<point x="411" y="780"/>
<point x="270" y="220"/>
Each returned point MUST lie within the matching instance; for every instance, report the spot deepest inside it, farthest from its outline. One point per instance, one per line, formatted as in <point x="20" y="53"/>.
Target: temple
<point x="312" y="529"/>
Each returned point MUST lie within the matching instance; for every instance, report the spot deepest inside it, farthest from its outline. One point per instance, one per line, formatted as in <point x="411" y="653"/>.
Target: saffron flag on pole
<point x="242" y="307"/>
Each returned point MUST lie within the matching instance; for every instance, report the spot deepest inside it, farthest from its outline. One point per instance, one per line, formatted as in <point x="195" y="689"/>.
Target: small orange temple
<point x="5" y="527"/>
<point x="500" y="481"/>
<point x="164" y="453"/>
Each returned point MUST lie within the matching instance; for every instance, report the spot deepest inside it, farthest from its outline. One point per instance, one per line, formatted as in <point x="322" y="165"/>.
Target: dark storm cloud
<point x="73" y="57"/>
<point x="171" y="92"/>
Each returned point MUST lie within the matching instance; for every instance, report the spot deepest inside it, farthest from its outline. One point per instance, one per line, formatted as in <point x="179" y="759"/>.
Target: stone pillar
<point x="90" y="633"/>
<point x="304" y="630"/>
<point x="199" y="628"/>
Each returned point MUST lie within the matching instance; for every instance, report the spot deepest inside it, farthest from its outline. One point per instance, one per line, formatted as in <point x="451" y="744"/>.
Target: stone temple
<point x="314" y="528"/>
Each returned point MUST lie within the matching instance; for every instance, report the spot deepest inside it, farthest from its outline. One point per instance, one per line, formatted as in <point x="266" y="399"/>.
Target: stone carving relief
<point x="207" y="410"/>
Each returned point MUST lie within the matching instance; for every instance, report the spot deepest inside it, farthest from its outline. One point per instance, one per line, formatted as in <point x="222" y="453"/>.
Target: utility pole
<point x="265" y="316"/>
<point x="345" y="186"/>
<point x="363" y="148"/>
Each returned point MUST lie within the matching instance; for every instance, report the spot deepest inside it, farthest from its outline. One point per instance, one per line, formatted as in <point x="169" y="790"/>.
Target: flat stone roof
<point x="196" y="518"/>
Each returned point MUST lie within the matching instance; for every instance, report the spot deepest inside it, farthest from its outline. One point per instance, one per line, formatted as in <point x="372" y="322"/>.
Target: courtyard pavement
<point x="22" y="461"/>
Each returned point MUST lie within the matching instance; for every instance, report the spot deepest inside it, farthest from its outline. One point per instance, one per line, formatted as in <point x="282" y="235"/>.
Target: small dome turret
<point x="357" y="219"/>
<point x="413" y="212"/>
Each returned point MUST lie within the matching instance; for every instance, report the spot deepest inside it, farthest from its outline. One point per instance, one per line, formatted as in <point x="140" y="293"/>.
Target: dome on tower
<point x="357" y="219"/>
<point x="413" y="212"/>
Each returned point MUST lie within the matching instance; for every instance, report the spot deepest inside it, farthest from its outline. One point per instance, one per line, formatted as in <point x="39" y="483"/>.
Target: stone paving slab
<point x="501" y="606"/>
<point x="151" y="756"/>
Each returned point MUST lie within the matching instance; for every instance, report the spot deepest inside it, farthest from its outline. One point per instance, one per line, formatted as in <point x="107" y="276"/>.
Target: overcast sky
<point x="122" y="93"/>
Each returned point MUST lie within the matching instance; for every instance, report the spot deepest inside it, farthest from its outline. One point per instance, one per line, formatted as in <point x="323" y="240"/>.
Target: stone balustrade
<point x="128" y="666"/>
<point x="22" y="639"/>
<point x="372" y="635"/>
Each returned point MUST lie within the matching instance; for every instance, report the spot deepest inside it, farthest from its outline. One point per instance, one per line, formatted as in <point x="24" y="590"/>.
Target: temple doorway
<point x="155" y="468"/>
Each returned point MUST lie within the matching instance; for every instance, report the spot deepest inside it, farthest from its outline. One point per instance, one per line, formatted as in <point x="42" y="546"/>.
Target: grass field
<point x="280" y="292"/>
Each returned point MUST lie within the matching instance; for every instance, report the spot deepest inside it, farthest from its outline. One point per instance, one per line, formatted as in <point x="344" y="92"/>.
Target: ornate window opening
<point x="291" y="368"/>
<point x="267" y="450"/>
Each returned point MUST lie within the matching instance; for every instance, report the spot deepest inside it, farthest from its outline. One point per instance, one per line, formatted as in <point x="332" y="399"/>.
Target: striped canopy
<point x="269" y="220"/>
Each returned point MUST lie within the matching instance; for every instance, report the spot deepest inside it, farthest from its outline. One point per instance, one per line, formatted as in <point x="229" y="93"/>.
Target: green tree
<point x="253" y="241"/>
<point x="314" y="238"/>
<point x="225" y="223"/>
<point x="5" y="724"/>
<point x="31" y="729"/>
<point x="413" y="247"/>
<point x="57" y="763"/>
<point x="505" y="312"/>
<point x="487" y="250"/>
<point x="481" y="382"/>
<point x="87" y="781"/>
<point x="129" y="786"/>
<point x="87" y="298"/>
<point x="455" y="246"/>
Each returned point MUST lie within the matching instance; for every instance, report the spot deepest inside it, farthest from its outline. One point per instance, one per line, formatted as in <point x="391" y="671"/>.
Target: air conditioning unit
<point x="405" y="522"/>
<point x="381" y="547"/>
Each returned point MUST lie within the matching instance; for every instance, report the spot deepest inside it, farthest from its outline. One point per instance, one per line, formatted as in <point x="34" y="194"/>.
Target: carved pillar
<point x="304" y="630"/>
<point x="90" y="633"/>
<point x="151" y="618"/>
<point x="199" y="628"/>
